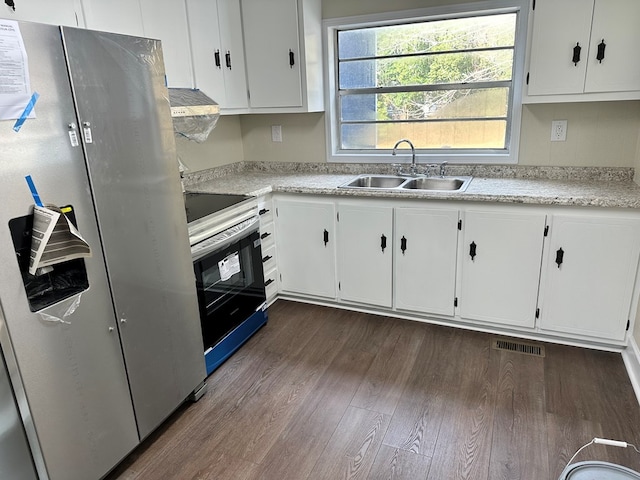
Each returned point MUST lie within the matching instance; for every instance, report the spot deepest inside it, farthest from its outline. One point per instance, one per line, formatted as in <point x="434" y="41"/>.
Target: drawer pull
<point x="268" y="282"/>
<point x="263" y="211"/>
<point x="266" y="259"/>
<point x="265" y="235"/>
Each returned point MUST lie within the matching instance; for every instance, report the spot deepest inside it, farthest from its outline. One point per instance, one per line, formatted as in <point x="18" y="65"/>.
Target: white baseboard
<point x="631" y="358"/>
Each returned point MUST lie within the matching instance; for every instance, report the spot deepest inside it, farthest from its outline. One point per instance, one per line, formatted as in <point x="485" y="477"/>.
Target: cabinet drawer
<point x="267" y="235"/>
<point x="271" y="285"/>
<point x="269" y="258"/>
<point x="265" y="210"/>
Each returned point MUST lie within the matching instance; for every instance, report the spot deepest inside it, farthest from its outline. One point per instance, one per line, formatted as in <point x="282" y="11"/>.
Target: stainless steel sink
<point x="376" y="181"/>
<point x="394" y="182"/>
<point x="448" y="184"/>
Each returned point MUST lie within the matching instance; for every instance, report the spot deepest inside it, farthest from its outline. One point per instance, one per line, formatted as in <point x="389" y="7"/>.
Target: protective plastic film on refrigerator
<point x="99" y="318"/>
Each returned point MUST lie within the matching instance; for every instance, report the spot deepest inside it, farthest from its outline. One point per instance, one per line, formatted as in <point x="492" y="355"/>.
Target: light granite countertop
<point x="599" y="187"/>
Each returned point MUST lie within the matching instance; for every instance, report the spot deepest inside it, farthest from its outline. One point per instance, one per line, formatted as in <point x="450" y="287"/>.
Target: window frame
<point x="478" y="156"/>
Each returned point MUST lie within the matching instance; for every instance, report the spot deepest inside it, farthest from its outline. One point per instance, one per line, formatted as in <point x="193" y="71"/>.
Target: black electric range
<point x="200" y="205"/>
<point x="209" y="214"/>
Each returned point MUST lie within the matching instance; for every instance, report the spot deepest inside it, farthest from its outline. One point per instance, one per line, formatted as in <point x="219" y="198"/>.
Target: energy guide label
<point x="229" y="266"/>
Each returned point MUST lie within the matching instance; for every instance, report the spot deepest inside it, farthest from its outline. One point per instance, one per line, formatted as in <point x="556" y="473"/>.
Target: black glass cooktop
<point x="200" y="205"/>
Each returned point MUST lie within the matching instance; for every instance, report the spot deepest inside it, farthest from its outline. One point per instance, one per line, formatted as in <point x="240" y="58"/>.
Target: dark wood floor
<point x="321" y="393"/>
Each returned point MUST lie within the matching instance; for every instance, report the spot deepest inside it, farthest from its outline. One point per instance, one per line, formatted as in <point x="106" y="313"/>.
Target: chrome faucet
<point x="413" y="154"/>
<point x="442" y="166"/>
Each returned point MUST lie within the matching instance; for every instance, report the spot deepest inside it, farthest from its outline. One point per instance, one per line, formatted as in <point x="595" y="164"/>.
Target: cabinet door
<point x="589" y="292"/>
<point x="61" y="12"/>
<point x="233" y="56"/>
<point x="166" y="20"/>
<point x="616" y="23"/>
<point x="557" y="28"/>
<point x="206" y="48"/>
<point x="501" y="257"/>
<point x="425" y="270"/>
<point x="117" y="16"/>
<point x="306" y="247"/>
<point x="218" y="51"/>
<point x="364" y="254"/>
<point x="271" y="40"/>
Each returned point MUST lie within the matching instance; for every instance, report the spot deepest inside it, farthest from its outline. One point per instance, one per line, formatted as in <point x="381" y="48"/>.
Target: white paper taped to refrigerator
<point x="15" y="86"/>
<point x="229" y="266"/>
<point x="54" y="239"/>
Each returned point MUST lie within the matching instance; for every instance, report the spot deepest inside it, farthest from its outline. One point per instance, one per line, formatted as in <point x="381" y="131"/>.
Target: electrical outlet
<point x="276" y="133"/>
<point x="558" y="130"/>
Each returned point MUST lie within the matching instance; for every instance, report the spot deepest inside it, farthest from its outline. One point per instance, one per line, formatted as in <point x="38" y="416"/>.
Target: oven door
<point x="230" y="284"/>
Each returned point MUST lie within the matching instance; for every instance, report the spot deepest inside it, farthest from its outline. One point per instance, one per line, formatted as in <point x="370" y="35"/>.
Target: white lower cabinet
<point x="562" y="272"/>
<point x="305" y="229"/>
<point x="500" y="266"/>
<point x="589" y="273"/>
<point x="425" y="243"/>
<point x="364" y="254"/>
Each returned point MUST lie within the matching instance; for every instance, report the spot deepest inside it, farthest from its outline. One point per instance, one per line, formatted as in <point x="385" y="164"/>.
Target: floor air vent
<point x="519" y="347"/>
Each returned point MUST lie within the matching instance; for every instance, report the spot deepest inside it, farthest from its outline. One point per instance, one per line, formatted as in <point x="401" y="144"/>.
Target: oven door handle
<point x="238" y="232"/>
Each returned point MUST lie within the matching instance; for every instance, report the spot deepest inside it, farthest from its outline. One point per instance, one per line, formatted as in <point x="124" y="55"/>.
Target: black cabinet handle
<point x="268" y="282"/>
<point x="263" y="211"/>
<point x="267" y="258"/>
<point x="576" y="54"/>
<point x="559" y="257"/>
<point x="227" y="59"/>
<point x="292" y="60"/>
<point x="264" y="235"/>
<point x="383" y="242"/>
<point x="217" y="58"/>
<point x="403" y="244"/>
<point x="472" y="250"/>
<point x="326" y="238"/>
<point x="601" y="47"/>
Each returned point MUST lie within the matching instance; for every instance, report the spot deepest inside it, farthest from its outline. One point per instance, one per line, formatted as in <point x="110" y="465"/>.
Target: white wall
<point x="223" y="146"/>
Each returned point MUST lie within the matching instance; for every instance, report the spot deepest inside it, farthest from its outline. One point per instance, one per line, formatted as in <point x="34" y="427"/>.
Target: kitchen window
<point x="448" y="79"/>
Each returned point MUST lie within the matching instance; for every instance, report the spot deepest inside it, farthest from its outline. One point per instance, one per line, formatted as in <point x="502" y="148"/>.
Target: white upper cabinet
<point x="283" y="49"/>
<point x="589" y="275"/>
<point x="60" y="12"/>
<point x="218" y="52"/>
<point x="615" y="25"/>
<point x="118" y="16"/>
<point x="584" y="50"/>
<point x="166" y="20"/>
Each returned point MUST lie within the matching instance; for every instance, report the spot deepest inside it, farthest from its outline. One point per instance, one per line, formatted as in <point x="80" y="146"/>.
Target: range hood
<point x="194" y="114"/>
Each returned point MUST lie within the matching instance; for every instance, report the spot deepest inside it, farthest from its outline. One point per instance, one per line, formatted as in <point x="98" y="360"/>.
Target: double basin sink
<point x="395" y="182"/>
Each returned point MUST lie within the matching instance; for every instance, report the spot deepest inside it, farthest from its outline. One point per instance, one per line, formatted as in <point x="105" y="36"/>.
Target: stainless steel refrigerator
<point x="101" y="349"/>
